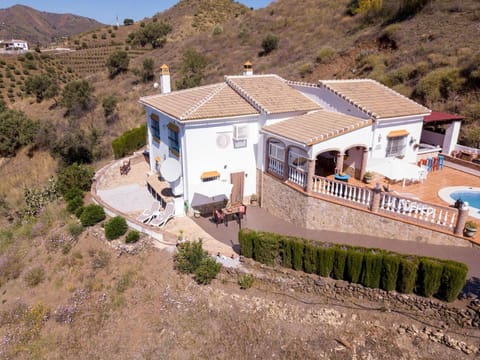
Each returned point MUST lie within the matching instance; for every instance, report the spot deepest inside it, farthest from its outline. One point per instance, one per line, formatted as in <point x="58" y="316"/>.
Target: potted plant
<point x="253" y="199"/>
<point x="368" y="177"/>
<point x="470" y="229"/>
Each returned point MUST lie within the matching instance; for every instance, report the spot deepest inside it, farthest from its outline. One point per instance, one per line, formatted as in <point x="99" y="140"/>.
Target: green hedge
<point x="371" y="267"/>
<point x="372" y="270"/>
<point x="129" y="141"/>
<point x="324" y="260"/>
<point x="338" y="270"/>
<point x="353" y="266"/>
<point x="429" y="277"/>
<point x="115" y="227"/>
<point x="390" y="265"/>
<point x="91" y="215"/>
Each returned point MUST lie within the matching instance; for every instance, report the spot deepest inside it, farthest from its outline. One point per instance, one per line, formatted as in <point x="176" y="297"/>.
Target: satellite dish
<point x="171" y="169"/>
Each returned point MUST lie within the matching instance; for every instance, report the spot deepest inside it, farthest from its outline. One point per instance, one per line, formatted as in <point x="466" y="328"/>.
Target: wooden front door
<point x="237" y="179"/>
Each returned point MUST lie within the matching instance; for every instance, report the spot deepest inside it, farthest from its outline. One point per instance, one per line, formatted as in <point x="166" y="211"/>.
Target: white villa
<point x="231" y="135"/>
<point x="16" y="45"/>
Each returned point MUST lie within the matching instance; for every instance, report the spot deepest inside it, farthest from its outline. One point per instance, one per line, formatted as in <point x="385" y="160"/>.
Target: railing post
<point x="310" y="174"/>
<point x="376" y="198"/>
<point x="461" y="219"/>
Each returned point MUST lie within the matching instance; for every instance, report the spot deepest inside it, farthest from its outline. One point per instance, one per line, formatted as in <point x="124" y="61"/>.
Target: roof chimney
<point x="247" y="69"/>
<point x="165" y="87"/>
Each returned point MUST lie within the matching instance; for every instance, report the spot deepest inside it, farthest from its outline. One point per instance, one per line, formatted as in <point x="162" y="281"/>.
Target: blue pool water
<point x="470" y="196"/>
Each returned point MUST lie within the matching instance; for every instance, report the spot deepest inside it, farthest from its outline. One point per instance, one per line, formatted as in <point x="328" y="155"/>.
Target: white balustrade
<point x="342" y="190"/>
<point x="276" y="166"/>
<point x="297" y="176"/>
<point x="424" y="212"/>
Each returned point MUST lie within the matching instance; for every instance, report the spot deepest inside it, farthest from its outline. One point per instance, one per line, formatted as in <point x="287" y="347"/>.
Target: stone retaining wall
<point x="314" y="213"/>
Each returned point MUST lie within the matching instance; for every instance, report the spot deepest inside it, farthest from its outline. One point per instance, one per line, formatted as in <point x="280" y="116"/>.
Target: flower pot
<point x="469" y="232"/>
<point x="367" y="179"/>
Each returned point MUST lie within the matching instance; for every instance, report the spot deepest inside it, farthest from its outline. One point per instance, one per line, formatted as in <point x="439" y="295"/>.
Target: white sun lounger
<point x="162" y="217"/>
<point x="147" y="214"/>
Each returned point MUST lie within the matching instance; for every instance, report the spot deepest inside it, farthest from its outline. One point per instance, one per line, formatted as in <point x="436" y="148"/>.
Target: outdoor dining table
<point x="236" y="211"/>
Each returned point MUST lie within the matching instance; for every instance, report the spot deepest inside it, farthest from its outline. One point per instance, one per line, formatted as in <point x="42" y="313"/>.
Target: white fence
<point x="342" y="190"/>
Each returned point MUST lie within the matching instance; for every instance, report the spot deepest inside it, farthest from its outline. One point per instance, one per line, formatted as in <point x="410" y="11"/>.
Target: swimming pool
<point x="466" y="194"/>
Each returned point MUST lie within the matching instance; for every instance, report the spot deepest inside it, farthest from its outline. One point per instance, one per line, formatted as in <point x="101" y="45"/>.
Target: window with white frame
<point x="396" y="146"/>
<point x="277" y="150"/>
<point x="297" y="159"/>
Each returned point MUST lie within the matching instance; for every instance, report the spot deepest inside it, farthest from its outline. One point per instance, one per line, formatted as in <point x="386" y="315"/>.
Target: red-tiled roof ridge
<point x="326" y="83"/>
<point x="441" y="116"/>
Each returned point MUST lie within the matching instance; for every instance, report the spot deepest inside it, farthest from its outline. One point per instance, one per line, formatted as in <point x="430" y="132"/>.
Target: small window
<point x="297" y="159"/>
<point x="276" y="150"/>
<point x="155" y="127"/>
<point x="173" y="139"/>
<point x="396" y="146"/>
<point x="239" y="143"/>
<point x="240" y="132"/>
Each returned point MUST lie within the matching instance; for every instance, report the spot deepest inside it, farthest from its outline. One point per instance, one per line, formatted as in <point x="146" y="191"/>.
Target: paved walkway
<point x="260" y="219"/>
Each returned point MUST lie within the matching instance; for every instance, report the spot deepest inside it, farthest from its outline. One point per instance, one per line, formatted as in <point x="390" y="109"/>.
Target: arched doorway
<point x="326" y="163"/>
<point x="355" y="161"/>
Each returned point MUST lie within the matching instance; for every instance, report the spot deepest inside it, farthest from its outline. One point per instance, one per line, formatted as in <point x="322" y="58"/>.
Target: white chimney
<point x="165" y="87"/>
<point x="247" y="69"/>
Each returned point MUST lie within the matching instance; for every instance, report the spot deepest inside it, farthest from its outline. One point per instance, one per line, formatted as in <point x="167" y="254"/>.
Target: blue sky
<point x="106" y="11"/>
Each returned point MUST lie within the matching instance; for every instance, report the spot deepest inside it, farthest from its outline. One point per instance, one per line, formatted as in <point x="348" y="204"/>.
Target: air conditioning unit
<point x="240" y="132"/>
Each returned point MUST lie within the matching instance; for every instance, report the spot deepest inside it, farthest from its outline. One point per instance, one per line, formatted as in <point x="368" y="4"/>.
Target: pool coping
<point x="445" y="192"/>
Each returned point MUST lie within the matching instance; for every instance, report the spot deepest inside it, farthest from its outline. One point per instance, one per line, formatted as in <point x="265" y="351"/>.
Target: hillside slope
<point x="38" y="27"/>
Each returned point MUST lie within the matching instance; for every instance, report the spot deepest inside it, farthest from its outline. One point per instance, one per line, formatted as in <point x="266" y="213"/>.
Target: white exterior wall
<point x="451" y="137"/>
<point x="331" y="102"/>
<point x="202" y="154"/>
<point x="381" y="128"/>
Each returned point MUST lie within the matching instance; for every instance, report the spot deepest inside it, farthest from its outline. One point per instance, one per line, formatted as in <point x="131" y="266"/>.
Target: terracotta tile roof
<point x="316" y="127"/>
<point x="271" y="94"/>
<point x="212" y="101"/>
<point x="374" y="98"/>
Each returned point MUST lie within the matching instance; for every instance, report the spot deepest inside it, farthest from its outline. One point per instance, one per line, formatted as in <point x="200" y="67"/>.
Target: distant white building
<point x="16" y="45"/>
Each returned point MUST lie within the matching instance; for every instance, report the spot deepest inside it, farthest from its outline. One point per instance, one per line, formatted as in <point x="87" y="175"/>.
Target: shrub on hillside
<point x="246" y="281"/>
<point x="132" y="237"/>
<point x="407" y="275"/>
<point x="269" y="43"/>
<point x="207" y="271"/>
<point x="74" y="204"/>
<point x="91" y="215"/>
<point x="75" y="176"/>
<point x="389" y="275"/>
<point x="72" y="193"/>
<point x="439" y="84"/>
<point x="325" y="55"/>
<point x="115" y="227"/>
<point x="129" y="141"/>
<point x="286" y="253"/>
<point x="16" y="130"/>
<point x="34" y="276"/>
<point x="353" y="265"/>
<point x="429" y="277"/>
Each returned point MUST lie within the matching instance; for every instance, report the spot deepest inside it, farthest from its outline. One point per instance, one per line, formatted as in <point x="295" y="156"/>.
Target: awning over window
<point x="209" y="175"/>
<point x="397" y="133"/>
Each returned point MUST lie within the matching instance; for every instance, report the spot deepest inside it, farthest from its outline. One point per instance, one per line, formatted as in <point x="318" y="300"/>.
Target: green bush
<point x="207" y="271"/>
<point x="407" y="275"/>
<point x="429" y="277"/>
<point x="297" y="255"/>
<point x="189" y="256"/>
<point x="79" y="211"/>
<point x="309" y="259"/>
<point x="74" y="204"/>
<point x="372" y="270"/>
<point x="389" y="276"/>
<point x="324" y="261"/>
<point x="286" y="252"/>
<point x="72" y="193"/>
<point x="132" y="237"/>
<point x="353" y="265"/>
<point x="246" y="281"/>
<point x="35" y="276"/>
<point x="129" y="141"/>
<point x="453" y="279"/>
<point x="439" y="84"/>
<point x="265" y="248"/>
<point x="269" y="43"/>
<point x="91" y="215"/>
<point x="245" y="238"/>
<point x="75" y="229"/>
<point x="115" y="227"/>
<point x="325" y="55"/>
<point x="339" y="264"/>
<point x="75" y="176"/>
